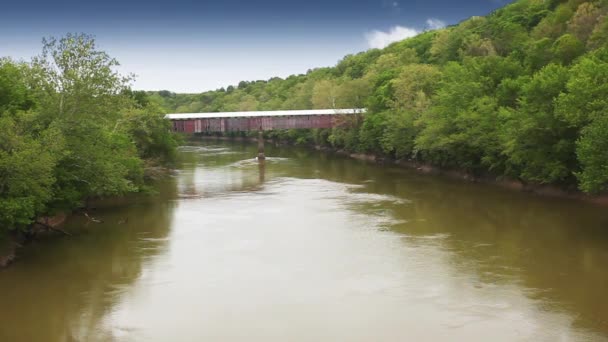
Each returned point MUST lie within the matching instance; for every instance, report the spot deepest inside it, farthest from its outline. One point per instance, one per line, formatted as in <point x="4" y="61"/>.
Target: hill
<point x="522" y="93"/>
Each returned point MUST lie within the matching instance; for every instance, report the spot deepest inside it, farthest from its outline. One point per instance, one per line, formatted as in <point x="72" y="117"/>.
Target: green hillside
<point x="522" y="93"/>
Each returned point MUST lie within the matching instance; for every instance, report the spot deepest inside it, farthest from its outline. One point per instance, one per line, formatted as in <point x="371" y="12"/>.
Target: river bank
<point x="426" y="168"/>
<point x="51" y="225"/>
<point x="313" y="238"/>
<point x="8" y="250"/>
<point x="504" y="182"/>
<point x="10" y="244"/>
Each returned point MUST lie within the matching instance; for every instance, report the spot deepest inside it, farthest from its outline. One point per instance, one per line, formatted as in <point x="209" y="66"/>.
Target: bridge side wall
<point x="264" y="123"/>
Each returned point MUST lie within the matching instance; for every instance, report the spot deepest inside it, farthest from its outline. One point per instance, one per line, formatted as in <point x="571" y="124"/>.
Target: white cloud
<point x="435" y="24"/>
<point x="379" y="39"/>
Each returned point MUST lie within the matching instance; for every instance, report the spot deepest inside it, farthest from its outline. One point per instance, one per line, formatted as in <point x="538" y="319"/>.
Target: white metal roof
<point x="185" y="116"/>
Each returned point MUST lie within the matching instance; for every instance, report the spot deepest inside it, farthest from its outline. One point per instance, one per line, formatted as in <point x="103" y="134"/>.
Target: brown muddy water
<point x="314" y="247"/>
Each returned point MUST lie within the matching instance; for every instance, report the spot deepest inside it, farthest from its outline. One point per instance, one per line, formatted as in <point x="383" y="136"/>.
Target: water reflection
<point x="262" y="170"/>
<point x="62" y="288"/>
<point x="550" y="250"/>
<point x="312" y="246"/>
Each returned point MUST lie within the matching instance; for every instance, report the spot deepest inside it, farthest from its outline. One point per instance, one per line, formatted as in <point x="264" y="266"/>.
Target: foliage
<point x="71" y="129"/>
<point x="151" y="133"/>
<point x="519" y="93"/>
<point x="592" y="151"/>
<point x="26" y="171"/>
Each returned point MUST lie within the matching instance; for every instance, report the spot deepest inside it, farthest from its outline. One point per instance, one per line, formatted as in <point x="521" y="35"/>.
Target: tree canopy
<point x="520" y="92"/>
<point x="71" y="129"/>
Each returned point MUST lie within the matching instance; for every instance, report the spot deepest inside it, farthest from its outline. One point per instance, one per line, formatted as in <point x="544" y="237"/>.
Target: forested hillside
<point x="71" y="129"/>
<point x="522" y="93"/>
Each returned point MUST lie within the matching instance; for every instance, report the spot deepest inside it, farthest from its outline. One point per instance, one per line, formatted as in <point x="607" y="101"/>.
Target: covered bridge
<point x="259" y="120"/>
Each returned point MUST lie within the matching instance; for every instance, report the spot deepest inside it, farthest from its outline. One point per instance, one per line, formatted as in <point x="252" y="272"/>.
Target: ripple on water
<point x="245" y="163"/>
<point x="207" y="150"/>
<point x="352" y="197"/>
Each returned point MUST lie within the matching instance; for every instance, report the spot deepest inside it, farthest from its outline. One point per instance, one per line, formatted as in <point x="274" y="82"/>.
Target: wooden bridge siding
<point x="254" y="124"/>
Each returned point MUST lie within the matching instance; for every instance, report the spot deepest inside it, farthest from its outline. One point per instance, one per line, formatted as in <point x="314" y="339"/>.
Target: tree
<point x="509" y="37"/>
<point x="446" y="45"/>
<point x="26" y="172"/>
<point x="80" y="92"/>
<point x="78" y="80"/>
<point x="518" y="93"/>
<point x="539" y="53"/>
<point x="385" y="62"/>
<point x="540" y="146"/>
<point x="599" y="36"/>
<point x="300" y="96"/>
<point x="151" y="133"/>
<point x="72" y="129"/>
<point x="553" y="25"/>
<point x="412" y="92"/>
<point x="27" y="156"/>
<point x="459" y="116"/>
<point x="248" y="103"/>
<point x="474" y="45"/>
<point x="584" y="106"/>
<point x="325" y="94"/>
<point x="353" y="93"/>
<point x="585" y="97"/>
<point x="414" y="81"/>
<point x="567" y="48"/>
<point x="584" y="20"/>
<point x="14" y="92"/>
<point x="592" y="151"/>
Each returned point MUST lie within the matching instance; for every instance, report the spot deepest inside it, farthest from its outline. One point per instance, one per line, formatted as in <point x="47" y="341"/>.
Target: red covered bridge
<point x="259" y="120"/>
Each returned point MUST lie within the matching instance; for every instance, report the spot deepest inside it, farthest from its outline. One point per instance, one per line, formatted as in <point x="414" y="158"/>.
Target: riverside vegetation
<point x="71" y="129"/>
<point x="521" y="93"/>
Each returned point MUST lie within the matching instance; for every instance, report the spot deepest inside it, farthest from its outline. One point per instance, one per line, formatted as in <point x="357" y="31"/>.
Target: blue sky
<point x="192" y="46"/>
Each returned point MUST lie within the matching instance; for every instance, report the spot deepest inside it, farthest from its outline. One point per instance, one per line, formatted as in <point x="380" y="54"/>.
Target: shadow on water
<point x="62" y="287"/>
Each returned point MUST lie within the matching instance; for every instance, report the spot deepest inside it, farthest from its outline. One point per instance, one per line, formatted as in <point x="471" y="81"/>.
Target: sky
<point x="191" y="46"/>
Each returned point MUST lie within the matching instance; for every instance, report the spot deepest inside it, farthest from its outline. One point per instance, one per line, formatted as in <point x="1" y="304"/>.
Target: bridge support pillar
<point x="261" y="155"/>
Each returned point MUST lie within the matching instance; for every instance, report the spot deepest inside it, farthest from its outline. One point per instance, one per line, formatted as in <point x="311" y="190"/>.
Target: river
<point x="312" y="246"/>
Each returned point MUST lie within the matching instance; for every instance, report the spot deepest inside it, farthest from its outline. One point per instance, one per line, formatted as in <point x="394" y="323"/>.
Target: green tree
<point x="540" y="146"/>
<point x="585" y="97"/>
<point x="412" y="94"/>
<point x="82" y="94"/>
<point x="14" y="92"/>
<point x="26" y="172"/>
<point x="584" y="106"/>
<point x="151" y="134"/>
<point x="248" y="103"/>
<point x="539" y="53"/>
<point x="592" y="151"/>
<point x="599" y="36"/>
<point x="27" y="155"/>
<point x="519" y="93"/>
<point x="325" y="94"/>
<point x="353" y="93"/>
<point x="567" y="48"/>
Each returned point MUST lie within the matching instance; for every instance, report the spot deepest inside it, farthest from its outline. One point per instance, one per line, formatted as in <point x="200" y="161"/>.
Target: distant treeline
<point x="71" y="129"/>
<point x="522" y="93"/>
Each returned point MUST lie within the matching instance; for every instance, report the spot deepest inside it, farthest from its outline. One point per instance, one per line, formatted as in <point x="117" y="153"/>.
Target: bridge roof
<point x="186" y="116"/>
